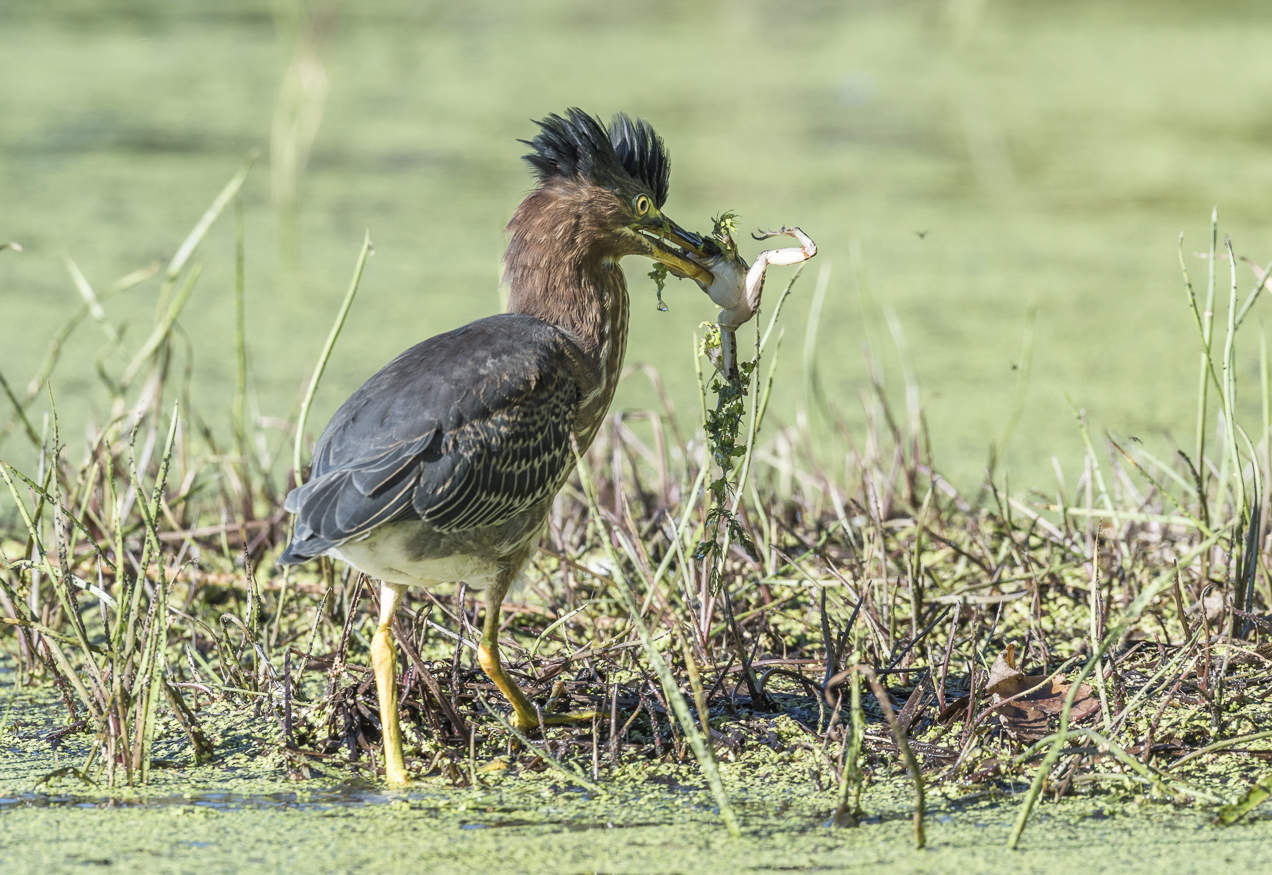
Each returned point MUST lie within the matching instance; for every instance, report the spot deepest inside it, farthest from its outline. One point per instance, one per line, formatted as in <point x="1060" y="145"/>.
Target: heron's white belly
<point x="385" y="555"/>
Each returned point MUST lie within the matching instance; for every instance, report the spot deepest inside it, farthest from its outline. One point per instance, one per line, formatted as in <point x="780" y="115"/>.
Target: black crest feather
<point x="579" y="145"/>
<point x="642" y="154"/>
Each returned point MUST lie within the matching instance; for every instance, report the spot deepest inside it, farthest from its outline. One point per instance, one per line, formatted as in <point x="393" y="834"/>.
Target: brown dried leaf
<point x="1003" y="671"/>
<point x="1029" y="717"/>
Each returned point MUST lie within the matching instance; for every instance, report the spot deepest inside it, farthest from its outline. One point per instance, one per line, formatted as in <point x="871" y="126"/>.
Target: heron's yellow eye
<point x="641" y="205"/>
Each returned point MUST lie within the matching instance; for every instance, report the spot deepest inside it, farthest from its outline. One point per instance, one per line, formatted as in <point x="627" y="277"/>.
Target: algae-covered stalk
<point x="737" y="288"/>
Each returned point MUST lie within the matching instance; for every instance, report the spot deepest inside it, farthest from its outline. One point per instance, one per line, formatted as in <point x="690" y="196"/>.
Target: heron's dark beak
<point x="658" y="232"/>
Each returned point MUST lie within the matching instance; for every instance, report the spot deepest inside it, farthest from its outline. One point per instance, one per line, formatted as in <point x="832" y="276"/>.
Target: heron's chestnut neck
<point x="564" y="242"/>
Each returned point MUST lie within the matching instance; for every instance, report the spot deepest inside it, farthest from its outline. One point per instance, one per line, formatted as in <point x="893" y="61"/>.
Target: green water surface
<point x="962" y="164"/>
<point x="242" y="814"/>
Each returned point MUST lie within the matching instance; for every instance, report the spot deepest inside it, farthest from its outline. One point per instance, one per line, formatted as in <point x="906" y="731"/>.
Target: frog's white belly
<point x="387" y="554"/>
<point x="728" y="288"/>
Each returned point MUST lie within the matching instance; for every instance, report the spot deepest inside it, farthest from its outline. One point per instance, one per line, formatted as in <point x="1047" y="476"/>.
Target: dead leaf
<point x="1028" y="718"/>
<point x="1004" y="669"/>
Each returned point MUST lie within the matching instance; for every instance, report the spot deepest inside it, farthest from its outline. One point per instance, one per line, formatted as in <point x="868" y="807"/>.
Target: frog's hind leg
<point x="791" y="255"/>
<point x="753" y="288"/>
<point x="754" y="284"/>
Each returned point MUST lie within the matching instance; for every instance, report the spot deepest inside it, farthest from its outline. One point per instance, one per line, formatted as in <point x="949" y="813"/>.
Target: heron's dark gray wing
<point x="464" y="430"/>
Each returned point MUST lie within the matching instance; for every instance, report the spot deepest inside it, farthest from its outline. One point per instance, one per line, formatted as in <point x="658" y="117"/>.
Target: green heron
<point x="442" y="467"/>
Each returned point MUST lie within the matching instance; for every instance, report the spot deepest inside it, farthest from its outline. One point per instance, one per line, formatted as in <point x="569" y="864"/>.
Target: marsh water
<point x="1008" y="180"/>
<point x="997" y="191"/>
<point x="241" y="814"/>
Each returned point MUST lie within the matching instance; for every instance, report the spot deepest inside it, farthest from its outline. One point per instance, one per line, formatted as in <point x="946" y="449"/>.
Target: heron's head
<point x="602" y="190"/>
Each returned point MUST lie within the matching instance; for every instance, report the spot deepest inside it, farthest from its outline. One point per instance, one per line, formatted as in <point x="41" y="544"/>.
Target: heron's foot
<point x="526" y="722"/>
<point x="525" y="716"/>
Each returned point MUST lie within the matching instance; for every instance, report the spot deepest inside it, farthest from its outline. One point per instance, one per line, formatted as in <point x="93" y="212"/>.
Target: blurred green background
<point x="981" y="170"/>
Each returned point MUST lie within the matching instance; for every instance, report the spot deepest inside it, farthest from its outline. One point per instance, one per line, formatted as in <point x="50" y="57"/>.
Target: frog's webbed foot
<point x="807" y="248"/>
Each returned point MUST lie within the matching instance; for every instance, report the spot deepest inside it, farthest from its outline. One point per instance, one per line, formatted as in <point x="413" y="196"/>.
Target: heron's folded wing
<point x="463" y="430"/>
<point x="504" y="461"/>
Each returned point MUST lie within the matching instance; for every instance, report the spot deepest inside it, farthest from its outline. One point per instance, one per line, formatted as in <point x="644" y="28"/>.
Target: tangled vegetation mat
<point x="777" y="649"/>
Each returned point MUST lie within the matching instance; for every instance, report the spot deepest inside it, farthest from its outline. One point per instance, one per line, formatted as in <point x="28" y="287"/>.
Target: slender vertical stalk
<point x="675" y="699"/>
<point x="848" y="809"/>
<point x="1230" y="386"/>
<point x="327" y="347"/>
<point x="903" y="746"/>
<point x="1265" y="398"/>
<point x="1207" y="331"/>
<point x="240" y="341"/>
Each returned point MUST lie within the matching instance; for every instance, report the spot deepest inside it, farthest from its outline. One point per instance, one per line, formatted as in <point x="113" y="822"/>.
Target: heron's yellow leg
<point x="525" y="716"/>
<point x="384" y="661"/>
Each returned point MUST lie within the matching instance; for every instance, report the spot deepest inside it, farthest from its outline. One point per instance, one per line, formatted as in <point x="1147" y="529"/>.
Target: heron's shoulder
<point x="503" y="341"/>
<point x="447" y="380"/>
